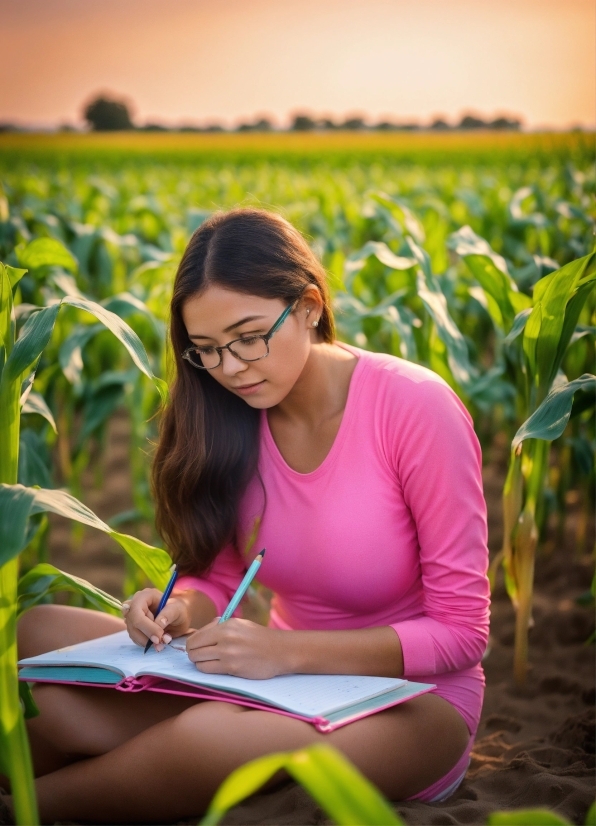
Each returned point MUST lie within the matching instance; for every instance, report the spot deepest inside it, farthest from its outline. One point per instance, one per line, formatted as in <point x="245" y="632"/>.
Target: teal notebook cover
<point x="71" y="674"/>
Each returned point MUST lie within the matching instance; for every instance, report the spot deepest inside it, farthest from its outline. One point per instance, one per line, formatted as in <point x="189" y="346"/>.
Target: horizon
<point x="195" y="63"/>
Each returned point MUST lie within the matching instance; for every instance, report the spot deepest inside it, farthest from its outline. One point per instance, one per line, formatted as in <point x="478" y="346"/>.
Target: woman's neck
<point x="321" y="391"/>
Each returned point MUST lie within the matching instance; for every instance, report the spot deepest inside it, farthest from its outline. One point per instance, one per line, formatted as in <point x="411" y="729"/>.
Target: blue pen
<point x="243" y="587"/>
<point x="163" y="600"/>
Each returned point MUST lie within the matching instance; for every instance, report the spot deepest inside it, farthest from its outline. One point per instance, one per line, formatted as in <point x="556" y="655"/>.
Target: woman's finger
<point x="203" y="654"/>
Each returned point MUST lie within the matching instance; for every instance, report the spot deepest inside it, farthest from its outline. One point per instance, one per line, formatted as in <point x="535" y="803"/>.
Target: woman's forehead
<point x="215" y="309"/>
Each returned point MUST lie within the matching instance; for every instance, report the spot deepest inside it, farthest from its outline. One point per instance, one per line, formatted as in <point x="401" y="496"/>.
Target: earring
<point x="315" y="324"/>
<point x="308" y="312"/>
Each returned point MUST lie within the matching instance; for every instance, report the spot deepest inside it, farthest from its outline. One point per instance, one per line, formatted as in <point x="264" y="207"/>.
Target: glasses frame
<point x="265" y="336"/>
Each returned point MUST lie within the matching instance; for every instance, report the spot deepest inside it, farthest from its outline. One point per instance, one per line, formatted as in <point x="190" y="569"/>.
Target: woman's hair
<point x="208" y="445"/>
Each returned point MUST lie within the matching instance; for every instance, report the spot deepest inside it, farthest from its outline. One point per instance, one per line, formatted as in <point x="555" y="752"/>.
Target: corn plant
<point x="544" y="332"/>
<point x="19" y="357"/>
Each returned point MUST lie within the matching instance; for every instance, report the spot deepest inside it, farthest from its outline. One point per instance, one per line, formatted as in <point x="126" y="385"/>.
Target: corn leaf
<point x="45" y="579"/>
<point x="527" y="817"/>
<point x="14" y="274"/>
<point x="35" y="403"/>
<point x="242" y="783"/>
<point x="336" y="785"/>
<point x="18" y="503"/>
<point x="35" y="334"/>
<point x="490" y="270"/>
<point x="550" y="419"/>
<point x="37" y="330"/>
<point x="559" y="298"/>
<point x="70" y="354"/>
<point x="46" y="252"/>
<point x="435" y="303"/>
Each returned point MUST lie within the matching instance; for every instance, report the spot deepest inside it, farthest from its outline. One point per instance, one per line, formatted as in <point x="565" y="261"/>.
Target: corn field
<point x="472" y="255"/>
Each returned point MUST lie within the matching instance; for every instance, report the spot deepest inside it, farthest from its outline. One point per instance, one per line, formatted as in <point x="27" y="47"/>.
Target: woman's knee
<point x="46" y="627"/>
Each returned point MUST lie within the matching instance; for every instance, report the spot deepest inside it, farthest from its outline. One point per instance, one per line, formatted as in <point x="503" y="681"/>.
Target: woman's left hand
<point x="238" y="647"/>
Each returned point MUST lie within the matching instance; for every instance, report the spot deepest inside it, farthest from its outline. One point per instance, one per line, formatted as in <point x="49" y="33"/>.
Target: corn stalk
<point x="18" y="361"/>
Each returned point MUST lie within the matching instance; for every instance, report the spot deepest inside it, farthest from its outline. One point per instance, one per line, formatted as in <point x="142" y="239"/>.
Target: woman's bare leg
<point x="171" y="770"/>
<point x="156" y="758"/>
<point x="81" y="722"/>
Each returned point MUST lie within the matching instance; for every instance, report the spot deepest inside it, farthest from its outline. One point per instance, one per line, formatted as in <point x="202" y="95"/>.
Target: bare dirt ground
<point x="535" y="746"/>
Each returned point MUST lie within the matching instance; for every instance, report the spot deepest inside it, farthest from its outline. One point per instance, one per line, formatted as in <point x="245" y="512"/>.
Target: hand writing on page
<point x="238" y="647"/>
<point x="140" y="623"/>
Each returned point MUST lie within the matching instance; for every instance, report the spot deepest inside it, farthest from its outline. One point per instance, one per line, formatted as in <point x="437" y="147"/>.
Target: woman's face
<point x="217" y="316"/>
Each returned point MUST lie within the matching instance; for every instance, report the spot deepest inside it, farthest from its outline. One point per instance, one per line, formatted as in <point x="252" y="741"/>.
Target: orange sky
<point x="227" y="60"/>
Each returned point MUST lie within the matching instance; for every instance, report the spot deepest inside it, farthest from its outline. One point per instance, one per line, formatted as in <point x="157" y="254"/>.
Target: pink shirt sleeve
<point x="220" y="582"/>
<point x="438" y="461"/>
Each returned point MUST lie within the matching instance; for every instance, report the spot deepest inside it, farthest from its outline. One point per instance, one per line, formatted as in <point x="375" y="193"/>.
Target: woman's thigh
<point x="402" y="750"/>
<point x="47" y="627"/>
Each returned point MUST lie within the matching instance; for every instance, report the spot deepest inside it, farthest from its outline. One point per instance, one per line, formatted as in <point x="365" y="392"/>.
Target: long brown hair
<point x="208" y="445"/>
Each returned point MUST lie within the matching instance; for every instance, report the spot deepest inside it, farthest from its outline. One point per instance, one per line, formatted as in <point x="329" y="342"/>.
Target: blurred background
<point x="233" y="63"/>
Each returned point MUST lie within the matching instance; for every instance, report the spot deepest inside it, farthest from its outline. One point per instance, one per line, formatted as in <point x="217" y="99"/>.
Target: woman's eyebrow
<point x="237" y="324"/>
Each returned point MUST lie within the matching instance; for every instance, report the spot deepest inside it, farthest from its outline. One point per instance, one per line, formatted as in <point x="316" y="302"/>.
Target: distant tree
<point x="505" y="123"/>
<point x="104" y="114"/>
<point x="472" y="122"/>
<point x="326" y="123"/>
<point x="439" y="125"/>
<point x="302" y="123"/>
<point x="154" y="127"/>
<point x="353" y="124"/>
<point x="407" y="127"/>
<point x="384" y="126"/>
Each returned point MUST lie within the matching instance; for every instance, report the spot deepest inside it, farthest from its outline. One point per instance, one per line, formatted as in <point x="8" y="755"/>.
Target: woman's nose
<point x="230" y="364"/>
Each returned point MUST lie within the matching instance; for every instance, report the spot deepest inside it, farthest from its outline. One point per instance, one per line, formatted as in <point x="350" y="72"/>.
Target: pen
<point x="162" y="602"/>
<point x="243" y="587"/>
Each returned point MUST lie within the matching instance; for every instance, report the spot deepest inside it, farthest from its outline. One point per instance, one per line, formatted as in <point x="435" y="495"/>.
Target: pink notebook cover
<point x="158" y="684"/>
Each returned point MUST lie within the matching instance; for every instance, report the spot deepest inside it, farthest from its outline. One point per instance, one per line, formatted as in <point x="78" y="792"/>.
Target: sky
<point x="201" y="61"/>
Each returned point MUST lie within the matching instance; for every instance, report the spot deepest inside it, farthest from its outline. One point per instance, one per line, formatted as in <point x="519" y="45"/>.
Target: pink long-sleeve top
<point x="389" y="530"/>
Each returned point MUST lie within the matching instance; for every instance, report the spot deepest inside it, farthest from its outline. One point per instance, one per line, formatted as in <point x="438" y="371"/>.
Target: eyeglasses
<point x="251" y="348"/>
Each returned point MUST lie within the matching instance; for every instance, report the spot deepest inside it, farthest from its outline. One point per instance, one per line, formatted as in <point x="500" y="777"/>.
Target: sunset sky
<point x="231" y="60"/>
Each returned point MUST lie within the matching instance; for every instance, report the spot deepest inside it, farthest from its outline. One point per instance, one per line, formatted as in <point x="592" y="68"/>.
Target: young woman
<point x="360" y="474"/>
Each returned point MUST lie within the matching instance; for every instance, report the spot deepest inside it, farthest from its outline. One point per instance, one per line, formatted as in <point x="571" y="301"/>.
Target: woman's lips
<point x="248" y="389"/>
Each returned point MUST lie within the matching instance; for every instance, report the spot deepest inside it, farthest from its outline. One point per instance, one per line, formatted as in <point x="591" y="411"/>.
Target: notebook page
<point x="115" y="652"/>
<point x="311" y="695"/>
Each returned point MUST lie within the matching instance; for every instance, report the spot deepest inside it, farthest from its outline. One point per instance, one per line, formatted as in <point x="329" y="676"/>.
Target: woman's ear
<point x="312" y="305"/>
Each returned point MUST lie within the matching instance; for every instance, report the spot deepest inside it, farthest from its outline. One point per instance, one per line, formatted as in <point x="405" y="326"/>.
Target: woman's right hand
<point x="173" y="621"/>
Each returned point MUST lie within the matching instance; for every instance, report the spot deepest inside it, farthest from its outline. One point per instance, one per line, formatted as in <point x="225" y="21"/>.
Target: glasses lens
<point x="204" y="357"/>
<point x="250" y="349"/>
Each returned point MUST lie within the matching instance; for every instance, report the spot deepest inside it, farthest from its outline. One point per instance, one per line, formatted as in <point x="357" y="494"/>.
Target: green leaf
<point x="329" y="777"/>
<point x="559" y="298"/>
<point x="591" y="816"/>
<point x="124" y="334"/>
<point x="436" y="305"/>
<point x="70" y="354"/>
<point x="17" y="503"/>
<point x="37" y="330"/>
<point x="490" y="270"/>
<point x="31" y="343"/>
<point x="526" y="817"/>
<point x="30" y="709"/>
<point x="45" y="579"/>
<point x="242" y="783"/>
<point x="550" y="419"/>
<point x="46" y="252"/>
<point x="35" y="403"/>
<point x="380" y="250"/>
<point x="518" y="326"/>
<point x="339" y="788"/>
<point x="14" y="275"/>
<point x="15" y="507"/>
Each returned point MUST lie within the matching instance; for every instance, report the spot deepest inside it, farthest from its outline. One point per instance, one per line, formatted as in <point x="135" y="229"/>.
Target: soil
<point x="535" y="746"/>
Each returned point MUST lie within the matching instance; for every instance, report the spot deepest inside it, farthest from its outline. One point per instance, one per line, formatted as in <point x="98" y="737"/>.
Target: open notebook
<point x="325" y="700"/>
